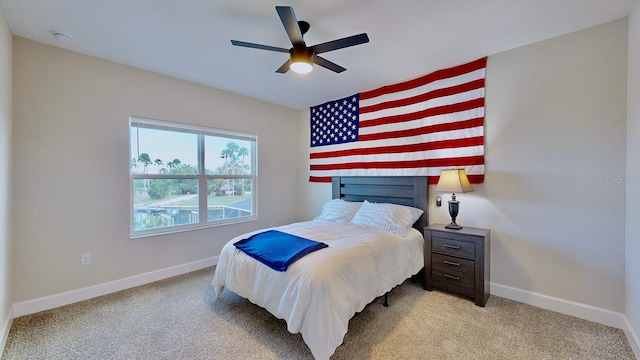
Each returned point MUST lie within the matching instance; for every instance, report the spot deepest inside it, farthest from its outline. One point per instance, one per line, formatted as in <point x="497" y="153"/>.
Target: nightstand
<point x="457" y="261"/>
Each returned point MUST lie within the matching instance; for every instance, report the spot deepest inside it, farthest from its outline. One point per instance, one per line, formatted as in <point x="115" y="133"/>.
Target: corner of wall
<point x="632" y="337"/>
<point x="6" y="118"/>
<point x="632" y="190"/>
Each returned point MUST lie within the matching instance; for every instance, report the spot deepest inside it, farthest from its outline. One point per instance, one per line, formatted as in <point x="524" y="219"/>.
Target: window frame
<point x="202" y="177"/>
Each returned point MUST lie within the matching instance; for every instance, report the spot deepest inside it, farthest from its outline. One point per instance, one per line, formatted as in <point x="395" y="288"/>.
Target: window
<point x="186" y="177"/>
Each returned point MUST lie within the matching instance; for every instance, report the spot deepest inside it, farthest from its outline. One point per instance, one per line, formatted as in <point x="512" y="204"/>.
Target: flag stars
<point x="334" y="122"/>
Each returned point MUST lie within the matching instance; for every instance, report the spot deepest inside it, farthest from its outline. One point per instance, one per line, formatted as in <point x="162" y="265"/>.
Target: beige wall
<point x="633" y="174"/>
<point x="5" y="178"/>
<point x="71" y="186"/>
<point x="555" y="131"/>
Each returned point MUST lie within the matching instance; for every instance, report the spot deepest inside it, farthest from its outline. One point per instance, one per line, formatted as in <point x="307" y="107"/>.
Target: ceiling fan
<point x="301" y="56"/>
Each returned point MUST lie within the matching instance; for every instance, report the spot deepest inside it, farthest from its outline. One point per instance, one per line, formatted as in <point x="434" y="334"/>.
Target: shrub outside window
<point x="186" y="177"/>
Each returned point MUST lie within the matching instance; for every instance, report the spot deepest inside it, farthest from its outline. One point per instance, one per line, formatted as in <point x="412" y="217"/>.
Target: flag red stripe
<point x="436" y="75"/>
<point x="397" y="149"/>
<point x="429" y="129"/>
<point x="439" y="110"/>
<point x="324" y="179"/>
<point x="457" y="161"/>
<point x="472" y="85"/>
<point x="433" y="180"/>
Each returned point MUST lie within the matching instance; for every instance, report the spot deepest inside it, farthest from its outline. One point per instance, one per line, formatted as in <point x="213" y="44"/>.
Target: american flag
<point x="414" y="128"/>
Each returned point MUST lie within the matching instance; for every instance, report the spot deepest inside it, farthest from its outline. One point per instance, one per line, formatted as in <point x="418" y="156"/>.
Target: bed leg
<point x="386" y="300"/>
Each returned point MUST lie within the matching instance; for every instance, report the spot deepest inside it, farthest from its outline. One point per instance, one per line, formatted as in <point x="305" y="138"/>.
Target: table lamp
<point x="453" y="181"/>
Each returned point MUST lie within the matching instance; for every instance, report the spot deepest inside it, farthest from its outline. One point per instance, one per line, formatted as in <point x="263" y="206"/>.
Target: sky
<point x="169" y="145"/>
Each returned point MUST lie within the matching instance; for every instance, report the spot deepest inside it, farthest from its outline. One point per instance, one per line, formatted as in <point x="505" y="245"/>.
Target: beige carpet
<point x="180" y="318"/>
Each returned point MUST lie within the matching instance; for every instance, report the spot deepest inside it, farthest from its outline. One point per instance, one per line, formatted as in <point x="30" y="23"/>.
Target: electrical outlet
<point x="85" y="258"/>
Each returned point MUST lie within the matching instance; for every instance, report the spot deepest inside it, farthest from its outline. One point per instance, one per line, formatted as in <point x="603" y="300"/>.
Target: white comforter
<point x="319" y="293"/>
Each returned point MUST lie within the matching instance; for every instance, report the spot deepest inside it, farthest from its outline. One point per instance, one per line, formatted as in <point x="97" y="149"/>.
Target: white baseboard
<point x="5" y="333"/>
<point x="70" y="297"/>
<point x="567" y="307"/>
<point x="582" y="311"/>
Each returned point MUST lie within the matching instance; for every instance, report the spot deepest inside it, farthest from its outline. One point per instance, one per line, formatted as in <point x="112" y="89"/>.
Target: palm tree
<point x="231" y="158"/>
<point x="146" y="160"/>
<point x="158" y="162"/>
<point x="173" y="164"/>
<point x="243" y="152"/>
<point x="232" y="152"/>
<point x="224" y="154"/>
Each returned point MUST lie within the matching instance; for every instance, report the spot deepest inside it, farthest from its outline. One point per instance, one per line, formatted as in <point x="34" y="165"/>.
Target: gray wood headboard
<point x="402" y="190"/>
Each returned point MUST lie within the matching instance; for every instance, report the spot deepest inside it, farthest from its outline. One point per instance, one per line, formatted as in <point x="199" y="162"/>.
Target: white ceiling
<point x="190" y="39"/>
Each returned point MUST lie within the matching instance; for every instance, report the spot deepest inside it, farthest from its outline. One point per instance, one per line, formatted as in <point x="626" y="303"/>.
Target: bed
<point x="319" y="293"/>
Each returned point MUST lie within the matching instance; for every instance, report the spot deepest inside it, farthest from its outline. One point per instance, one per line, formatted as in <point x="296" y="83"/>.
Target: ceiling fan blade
<point x="258" y="46"/>
<point x="290" y="23"/>
<point x="327" y="64"/>
<point x="340" y="43"/>
<point x="284" y="68"/>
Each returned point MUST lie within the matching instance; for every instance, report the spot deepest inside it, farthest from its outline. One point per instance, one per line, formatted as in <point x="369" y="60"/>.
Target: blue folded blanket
<point x="277" y="249"/>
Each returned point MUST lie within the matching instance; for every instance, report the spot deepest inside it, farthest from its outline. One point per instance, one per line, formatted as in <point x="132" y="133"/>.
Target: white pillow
<point x="394" y="218"/>
<point x="338" y="210"/>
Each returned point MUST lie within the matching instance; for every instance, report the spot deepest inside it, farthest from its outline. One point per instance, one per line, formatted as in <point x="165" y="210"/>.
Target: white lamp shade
<point x="453" y="181"/>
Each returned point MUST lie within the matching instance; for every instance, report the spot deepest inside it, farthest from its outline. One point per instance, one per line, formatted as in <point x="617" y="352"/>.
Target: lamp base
<point x="454" y="206"/>
<point x="453" y="226"/>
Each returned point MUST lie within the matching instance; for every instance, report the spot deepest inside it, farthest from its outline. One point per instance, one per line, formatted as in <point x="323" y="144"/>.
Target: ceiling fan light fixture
<point x="301" y="60"/>
<point x="301" y="67"/>
<point x="301" y="56"/>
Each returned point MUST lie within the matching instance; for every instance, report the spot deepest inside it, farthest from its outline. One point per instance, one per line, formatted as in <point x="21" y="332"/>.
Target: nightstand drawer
<point x="462" y="280"/>
<point x="452" y="247"/>
<point x="448" y="263"/>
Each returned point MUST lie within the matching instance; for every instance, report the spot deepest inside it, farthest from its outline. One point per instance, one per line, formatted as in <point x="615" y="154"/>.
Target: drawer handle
<point x="451" y="246"/>
<point x="451" y="277"/>
<point x="451" y="263"/>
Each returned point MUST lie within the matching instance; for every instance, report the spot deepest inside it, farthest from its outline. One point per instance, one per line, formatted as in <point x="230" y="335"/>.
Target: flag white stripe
<point x="432" y="103"/>
<point x="466" y="151"/>
<point x="435" y="85"/>
<point x="438" y="136"/>
<point x="433" y="171"/>
<point x="427" y="121"/>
